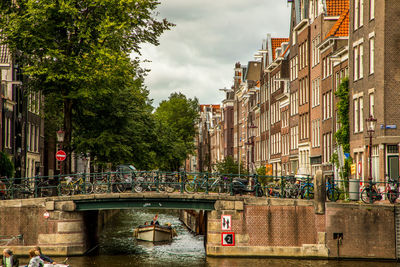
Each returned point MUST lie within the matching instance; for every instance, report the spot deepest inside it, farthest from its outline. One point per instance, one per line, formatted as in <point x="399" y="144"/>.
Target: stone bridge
<point x="260" y="226"/>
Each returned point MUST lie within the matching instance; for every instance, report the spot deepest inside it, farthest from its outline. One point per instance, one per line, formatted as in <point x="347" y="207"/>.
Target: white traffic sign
<point x="227" y="239"/>
<point x="226" y="222"/>
<point x="359" y="168"/>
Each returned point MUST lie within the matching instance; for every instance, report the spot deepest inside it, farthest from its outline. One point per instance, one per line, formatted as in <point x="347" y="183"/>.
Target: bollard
<point x="319" y="193"/>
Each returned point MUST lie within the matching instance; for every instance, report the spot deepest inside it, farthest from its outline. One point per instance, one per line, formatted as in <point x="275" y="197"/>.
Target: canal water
<point x="118" y="248"/>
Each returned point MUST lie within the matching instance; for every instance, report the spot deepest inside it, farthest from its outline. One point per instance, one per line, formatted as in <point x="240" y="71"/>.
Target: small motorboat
<point x="154" y="233"/>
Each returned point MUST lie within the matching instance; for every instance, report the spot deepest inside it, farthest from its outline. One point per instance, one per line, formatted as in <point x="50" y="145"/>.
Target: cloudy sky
<point x="197" y="56"/>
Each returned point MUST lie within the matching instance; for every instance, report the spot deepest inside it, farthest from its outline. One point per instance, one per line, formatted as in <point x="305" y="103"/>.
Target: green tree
<point x="117" y="127"/>
<point x="176" y="120"/>
<point x="229" y="166"/>
<point x="70" y="49"/>
<point x="6" y="166"/>
<point x="342" y="134"/>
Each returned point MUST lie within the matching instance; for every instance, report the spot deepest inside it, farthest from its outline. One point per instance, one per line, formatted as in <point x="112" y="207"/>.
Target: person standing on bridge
<point x="9" y="259"/>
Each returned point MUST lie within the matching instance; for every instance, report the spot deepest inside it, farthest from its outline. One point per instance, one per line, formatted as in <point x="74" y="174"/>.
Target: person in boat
<point x="155" y="221"/>
<point x="44" y="257"/>
<point x="35" y="260"/>
<point x="9" y="259"/>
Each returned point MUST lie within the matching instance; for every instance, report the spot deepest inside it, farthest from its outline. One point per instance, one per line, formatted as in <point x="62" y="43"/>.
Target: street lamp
<point x="371" y="122"/>
<point x="60" y="136"/>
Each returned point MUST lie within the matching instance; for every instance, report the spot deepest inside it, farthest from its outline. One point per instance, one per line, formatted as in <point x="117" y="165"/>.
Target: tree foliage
<point x="78" y="51"/>
<point x="6" y="166"/>
<point x="176" y="120"/>
<point x="229" y="166"/>
<point x="342" y="134"/>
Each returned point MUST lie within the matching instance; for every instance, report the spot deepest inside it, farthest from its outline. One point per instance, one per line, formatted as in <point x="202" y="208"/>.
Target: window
<point x="361" y="61"/>
<point x="293" y="104"/>
<point x="375" y="163"/>
<point x="356" y="115"/>
<point x="358" y="51"/>
<point x="358" y="13"/>
<point x="371" y="9"/>
<point x="361" y="103"/>
<point x="371" y="55"/>
<point x="371" y="104"/>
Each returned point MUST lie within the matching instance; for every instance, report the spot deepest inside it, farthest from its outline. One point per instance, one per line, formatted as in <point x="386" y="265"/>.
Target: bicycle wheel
<point x="308" y="192"/>
<point x="88" y="188"/>
<point x="119" y="187"/>
<point x="392" y="196"/>
<point x="190" y="187"/>
<point x="65" y="189"/>
<point x="366" y="195"/>
<point x="333" y="194"/>
<point x="44" y="189"/>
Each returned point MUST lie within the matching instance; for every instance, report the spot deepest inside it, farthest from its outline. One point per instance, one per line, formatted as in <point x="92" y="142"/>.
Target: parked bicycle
<point x="70" y="186"/>
<point x="200" y="183"/>
<point x="371" y="194"/>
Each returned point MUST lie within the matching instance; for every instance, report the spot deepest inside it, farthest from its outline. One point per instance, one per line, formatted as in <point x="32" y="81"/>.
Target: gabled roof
<point x="276" y="42"/>
<point x="336" y="7"/>
<point x="341" y="27"/>
<point x="253" y="71"/>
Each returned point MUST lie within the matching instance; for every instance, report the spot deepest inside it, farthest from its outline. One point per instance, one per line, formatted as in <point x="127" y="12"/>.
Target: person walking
<point x="35" y="260"/>
<point x="9" y="259"/>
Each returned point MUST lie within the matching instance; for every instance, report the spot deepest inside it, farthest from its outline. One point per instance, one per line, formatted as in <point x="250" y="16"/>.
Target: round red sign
<point x="60" y="155"/>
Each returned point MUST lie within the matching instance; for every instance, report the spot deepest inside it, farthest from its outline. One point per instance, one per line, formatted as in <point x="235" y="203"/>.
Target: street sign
<point x="61" y="155"/>
<point x="226" y="222"/>
<point x="359" y="168"/>
<point x="228" y="239"/>
<point x="268" y="169"/>
<point x="353" y="169"/>
<point x="46" y="215"/>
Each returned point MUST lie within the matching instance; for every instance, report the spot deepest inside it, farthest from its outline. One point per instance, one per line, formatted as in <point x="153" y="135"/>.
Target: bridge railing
<point x="183" y="183"/>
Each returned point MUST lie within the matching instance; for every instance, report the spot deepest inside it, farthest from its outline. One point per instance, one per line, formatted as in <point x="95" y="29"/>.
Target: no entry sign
<point x="60" y="155"/>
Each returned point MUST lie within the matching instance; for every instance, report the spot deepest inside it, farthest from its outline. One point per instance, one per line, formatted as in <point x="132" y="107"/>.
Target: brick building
<point x="374" y="85"/>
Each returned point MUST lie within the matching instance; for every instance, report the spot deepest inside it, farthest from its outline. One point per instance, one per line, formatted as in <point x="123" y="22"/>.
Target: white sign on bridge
<point x="226" y="222"/>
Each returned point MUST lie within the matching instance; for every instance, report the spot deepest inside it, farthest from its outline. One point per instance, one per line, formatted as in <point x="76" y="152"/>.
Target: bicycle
<point x="113" y="181"/>
<point x="370" y="195"/>
<point x="219" y="184"/>
<point x="150" y="182"/>
<point x="69" y="186"/>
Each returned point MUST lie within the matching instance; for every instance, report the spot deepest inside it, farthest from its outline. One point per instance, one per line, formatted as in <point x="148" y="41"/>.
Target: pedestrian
<point x="9" y="259"/>
<point x="35" y="260"/>
<point x="44" y="257"/>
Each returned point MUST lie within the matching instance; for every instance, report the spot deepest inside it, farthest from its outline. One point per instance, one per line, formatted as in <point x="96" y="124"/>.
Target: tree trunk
<point x="68" y="134"/>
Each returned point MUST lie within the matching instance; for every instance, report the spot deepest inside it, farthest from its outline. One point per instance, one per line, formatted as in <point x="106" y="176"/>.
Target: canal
<point x="118" y="248"/>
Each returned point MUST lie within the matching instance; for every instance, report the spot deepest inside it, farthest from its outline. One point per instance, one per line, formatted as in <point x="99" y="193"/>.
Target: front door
<point x="393" y="167"/>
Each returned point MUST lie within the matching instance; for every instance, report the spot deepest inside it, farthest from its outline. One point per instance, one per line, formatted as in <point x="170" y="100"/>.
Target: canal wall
<point x="194" y="220"/>
<point x="65" y="232"/>
<point x="297" y="228"/>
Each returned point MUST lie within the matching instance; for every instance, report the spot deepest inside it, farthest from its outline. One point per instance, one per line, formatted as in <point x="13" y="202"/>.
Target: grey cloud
<point x="198" y="55"/>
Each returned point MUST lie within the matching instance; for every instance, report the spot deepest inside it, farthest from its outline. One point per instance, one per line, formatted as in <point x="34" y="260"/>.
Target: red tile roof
<point x="341" y="27"/>
<point x="336" y="7"/>
<point x="276" y="42"/>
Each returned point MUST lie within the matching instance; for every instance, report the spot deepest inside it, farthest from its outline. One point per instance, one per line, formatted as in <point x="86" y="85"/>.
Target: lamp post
<point x="371" y="122"/>
<point x="60" y="140"/>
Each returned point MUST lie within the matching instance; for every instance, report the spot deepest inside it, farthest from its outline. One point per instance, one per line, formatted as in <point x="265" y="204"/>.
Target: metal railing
<point x="189" y="183"/>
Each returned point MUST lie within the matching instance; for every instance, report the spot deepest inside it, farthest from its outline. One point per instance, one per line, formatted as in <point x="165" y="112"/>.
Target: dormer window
<point x="278" y="52"/>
